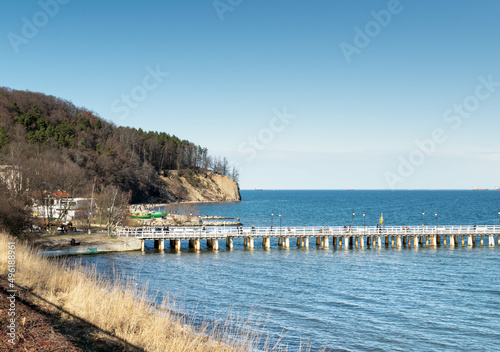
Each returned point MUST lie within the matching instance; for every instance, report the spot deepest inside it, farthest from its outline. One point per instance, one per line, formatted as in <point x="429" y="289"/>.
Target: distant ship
<point x="350" y="189"/>
<point x="259" y="189"/>
<point x="479" y="189"/>
<point x="497" y="189"/>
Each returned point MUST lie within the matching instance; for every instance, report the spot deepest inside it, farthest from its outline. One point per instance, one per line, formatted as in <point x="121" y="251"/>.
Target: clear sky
<point x="317" y="94"/>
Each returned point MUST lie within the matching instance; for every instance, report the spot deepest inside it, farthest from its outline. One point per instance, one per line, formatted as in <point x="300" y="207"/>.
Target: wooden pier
<point x="326" y="237"/>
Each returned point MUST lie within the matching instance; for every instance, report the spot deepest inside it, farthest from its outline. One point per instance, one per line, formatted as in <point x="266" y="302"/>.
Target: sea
<point x="370" y="299"/>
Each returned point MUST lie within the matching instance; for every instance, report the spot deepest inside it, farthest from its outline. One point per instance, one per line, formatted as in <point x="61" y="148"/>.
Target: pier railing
<point x="211" y="232"/>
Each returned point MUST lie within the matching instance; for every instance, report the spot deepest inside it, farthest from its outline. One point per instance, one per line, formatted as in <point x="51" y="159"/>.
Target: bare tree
<point x="14" y="210"/>
<point x="112" y="205"/>
<point x="235" y="174"/>
<point x="225" y="167"/>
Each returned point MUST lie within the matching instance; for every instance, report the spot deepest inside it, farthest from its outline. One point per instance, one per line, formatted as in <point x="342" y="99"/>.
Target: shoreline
<point x="60" y="244"/>
<point x="116" y="307"/>
<point x="183" y="202"/>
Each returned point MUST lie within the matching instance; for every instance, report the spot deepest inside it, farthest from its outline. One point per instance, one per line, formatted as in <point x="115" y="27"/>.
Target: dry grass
<point x="121" y="309"/>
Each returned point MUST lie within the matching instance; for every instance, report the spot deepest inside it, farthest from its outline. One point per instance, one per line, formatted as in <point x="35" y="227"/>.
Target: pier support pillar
<point x="306" y="242"/>
<point x="340" y="242"/>
<point x="386" y="240"/>
<point x="356" y="242"/>
<point x="299" y="241"/>
<point x="318" y="241"/>
<point x="286" y="241"/>
<point x="415" y="241"/>
<point x="421" y="239"/>
<point x="482" y="240"/>
<point x="398" y="242"/>
<point x="142" y="245"/>
<point x="327" y="242"/>
<point x="229" y="242"/>
<point x="432" y="240"/>
<point x="444" y="240"/>
<point x="362" y="241"/>
<point x="266" y="242"/>
<point x="334" y="242"/>
<point x="463" y="240"/>
<point x="215" y="245"/>
<point x="379" y="241"/>
<point x="452" y="241"/>
<point x="160" y="245"/>
<point x="491" y="241"/>
<point x="368" y="241"/>
<point x="197" y="244"/>
<point x="250" y="243"/>
<point x="392" y="241"/>
<point x="470" y="242"/>
<point x="280" y="241"/>
<point x="438" y="239"/>
<point x="177" y="245"/>
<point x="404" y="240"/>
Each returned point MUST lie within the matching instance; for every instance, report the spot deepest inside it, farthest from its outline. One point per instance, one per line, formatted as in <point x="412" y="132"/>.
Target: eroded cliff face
<point x="200" y="187"/>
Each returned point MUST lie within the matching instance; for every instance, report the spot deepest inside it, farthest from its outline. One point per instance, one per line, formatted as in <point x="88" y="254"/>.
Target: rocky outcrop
<point x="200" y="187"/>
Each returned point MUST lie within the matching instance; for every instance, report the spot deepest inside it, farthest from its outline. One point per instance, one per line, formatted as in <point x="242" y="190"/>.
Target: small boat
<point x="147" y="215"/>
<point x="144" y="216"/>
<point x="479" y="189"/>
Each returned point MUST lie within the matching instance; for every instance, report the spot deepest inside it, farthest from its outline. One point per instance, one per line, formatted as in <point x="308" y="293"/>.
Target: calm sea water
<point x="425" y="299"/>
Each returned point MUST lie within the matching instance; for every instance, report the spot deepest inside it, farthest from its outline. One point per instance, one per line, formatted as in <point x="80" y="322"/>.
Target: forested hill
<point x="48" y="134"/>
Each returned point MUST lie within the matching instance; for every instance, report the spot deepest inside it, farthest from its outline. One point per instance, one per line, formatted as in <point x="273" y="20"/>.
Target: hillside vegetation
<point x="37" y="126"/>
<point x="48" y="144"/>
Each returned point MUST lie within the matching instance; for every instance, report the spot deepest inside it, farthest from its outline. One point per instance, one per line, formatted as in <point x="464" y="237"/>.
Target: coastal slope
<point x="205" y="186"/>
<point x="69" y="148"/>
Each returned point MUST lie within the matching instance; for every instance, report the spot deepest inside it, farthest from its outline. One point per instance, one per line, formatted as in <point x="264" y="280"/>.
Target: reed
<point x="123" y="309"/>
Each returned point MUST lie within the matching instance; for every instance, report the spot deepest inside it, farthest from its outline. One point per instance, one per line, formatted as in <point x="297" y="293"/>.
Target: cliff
<point x="205" y="186"/>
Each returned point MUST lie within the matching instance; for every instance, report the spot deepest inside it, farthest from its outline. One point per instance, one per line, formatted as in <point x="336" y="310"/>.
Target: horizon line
<point x="364" y="189"/>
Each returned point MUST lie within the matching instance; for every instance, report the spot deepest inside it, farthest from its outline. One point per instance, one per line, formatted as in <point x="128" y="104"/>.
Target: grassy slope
<point x="114" y="308"/>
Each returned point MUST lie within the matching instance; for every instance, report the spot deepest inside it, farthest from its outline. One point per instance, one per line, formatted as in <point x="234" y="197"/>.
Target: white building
<point x="64" y="208"/>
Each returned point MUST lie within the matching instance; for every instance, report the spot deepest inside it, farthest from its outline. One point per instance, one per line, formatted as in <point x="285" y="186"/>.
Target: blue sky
<point x="357" y="118"/>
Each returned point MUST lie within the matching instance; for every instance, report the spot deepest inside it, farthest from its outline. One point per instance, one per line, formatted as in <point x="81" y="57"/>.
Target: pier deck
<point x="358" y="236"/>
